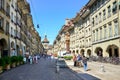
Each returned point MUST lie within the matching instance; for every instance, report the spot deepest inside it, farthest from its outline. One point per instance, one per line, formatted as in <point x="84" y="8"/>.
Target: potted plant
<point x="20" y="59"/>
<point x="13" y="61"/>
<point x="7" y="62"/>
<point x="17" y="61"/>
<point x="2" y="64"/>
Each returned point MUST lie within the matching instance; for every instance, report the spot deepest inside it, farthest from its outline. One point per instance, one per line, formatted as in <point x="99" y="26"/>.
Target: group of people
<point x="80" y="60"/>
<point x="31" y="59"/>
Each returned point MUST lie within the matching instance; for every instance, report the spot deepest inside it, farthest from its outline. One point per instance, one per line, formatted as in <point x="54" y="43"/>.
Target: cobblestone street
<point x="44" y="70"/>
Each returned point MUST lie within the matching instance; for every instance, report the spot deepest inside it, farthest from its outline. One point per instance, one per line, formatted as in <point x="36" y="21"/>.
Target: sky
<point x="51" y="15"/>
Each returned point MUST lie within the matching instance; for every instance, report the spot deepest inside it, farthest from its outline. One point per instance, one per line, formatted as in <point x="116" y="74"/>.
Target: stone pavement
<point x="45" y="69"/>
<point x="111" y="72"/>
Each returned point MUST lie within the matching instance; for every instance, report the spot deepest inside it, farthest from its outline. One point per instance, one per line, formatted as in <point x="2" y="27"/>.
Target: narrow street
<point x="45" y="69"/>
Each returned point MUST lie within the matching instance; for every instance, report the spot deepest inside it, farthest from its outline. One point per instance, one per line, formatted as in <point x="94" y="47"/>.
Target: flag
<point x="37" y="25"/>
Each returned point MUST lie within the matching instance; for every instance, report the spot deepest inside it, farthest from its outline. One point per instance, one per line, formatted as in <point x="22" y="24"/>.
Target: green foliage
<point x="20" y="58"/>
<point x="2" y="62"/>
<point x="7" y="60"/>
<point x="14" y="59"/>
<point x="68" y="57"/>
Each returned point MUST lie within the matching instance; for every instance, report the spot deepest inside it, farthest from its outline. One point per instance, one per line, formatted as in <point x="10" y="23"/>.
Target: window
<point x="15" y="6"/>
<point x="109" y="11"/>
<point x="100" y="33"/>
<point x="14" y="33"/>
<point x="1" y="4"/>
<point x="96" y="19"/>
<point x="15" y="18"/>
<point x="98" y="3"/>
<point x="104" y="14"/>
<point x="12" y="3"/>
<point x="97" y="35"/>
<point x="89" y="41"/>
<point x="86" y="32"/>
<point x="7" y="28"/>
<point x="110" y="29"/>
<point x="11" y="31"/>
<point x="100" y="18"/>
<point x="93" y="36"/>
<point x="1" y="22"/>
<point x="114" y="8"/>
<point x="89" y="32"/>
<point x="93" y="21"/>
<point x="105" y="32"/>
<point x="8" y="10"/>
<point x="116" y="27"/>
<point x="12" y="16"/>
<point x="95" y="6"/>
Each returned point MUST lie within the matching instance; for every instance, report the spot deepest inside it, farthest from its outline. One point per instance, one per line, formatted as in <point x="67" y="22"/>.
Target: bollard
<point x="57" y="68"/>
<point x="102" y="68"/>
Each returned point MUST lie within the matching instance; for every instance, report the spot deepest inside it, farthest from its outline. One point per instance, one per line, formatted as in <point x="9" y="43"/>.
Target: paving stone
<point x="45" y="69"/>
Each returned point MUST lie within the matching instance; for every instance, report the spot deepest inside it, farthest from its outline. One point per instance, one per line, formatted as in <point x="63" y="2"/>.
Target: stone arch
<point x="113" y="50"/>
<point x="99" y="51"/>
<point x="82" y="52"/>
<point x="3" y="47"/>
<point x="89" y="52"/>
<point x="77" y="51"/>
<point x="73" y="51"/>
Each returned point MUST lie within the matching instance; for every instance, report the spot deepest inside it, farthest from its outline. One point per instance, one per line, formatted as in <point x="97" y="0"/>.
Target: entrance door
<point x="5" y="53"/>
<point x="110" y="52"/>
<point x="116" y="52"/>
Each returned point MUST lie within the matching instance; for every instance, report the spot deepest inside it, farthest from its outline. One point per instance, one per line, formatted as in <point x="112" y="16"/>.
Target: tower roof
<point x="45" y="40"/>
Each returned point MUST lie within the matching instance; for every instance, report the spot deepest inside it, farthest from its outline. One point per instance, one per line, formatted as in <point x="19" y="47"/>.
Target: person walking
<point x="84" y="61"/>
<point x="31" y="61"/>
<point x="79" y="58"/>
<point x="74" y="59"/>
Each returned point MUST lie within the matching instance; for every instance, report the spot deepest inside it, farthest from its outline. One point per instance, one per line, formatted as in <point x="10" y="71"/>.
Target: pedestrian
<point x="24" y="59"/>
<point x="31" y="61"/>
<point x="79" y="58"/>
<point x="74" y="59"/>
<point x="84" y="61"/>
<point x="36" y="58"/>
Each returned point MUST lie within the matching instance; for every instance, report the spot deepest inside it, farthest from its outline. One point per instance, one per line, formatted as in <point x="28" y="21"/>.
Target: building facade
<point x="17" y="32"/>
<point x="95" y="31"/>
<point x="105" y="27"/>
